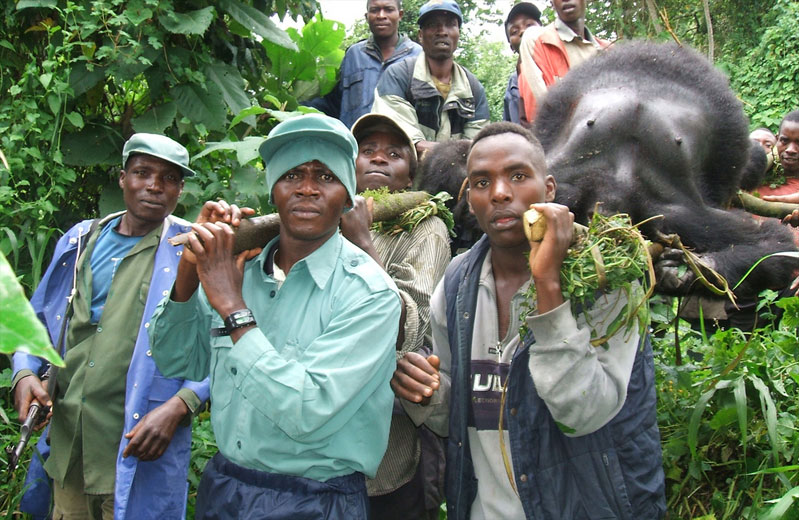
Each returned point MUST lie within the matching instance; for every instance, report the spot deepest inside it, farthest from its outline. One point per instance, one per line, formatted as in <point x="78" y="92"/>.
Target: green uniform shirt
<point x="89" y="409"/>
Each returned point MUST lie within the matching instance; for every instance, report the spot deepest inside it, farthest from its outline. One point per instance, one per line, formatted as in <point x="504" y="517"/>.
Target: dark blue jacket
<point x="361" y="67"/>
<point x="615" y="472"/>
<point x="510" y="108"/>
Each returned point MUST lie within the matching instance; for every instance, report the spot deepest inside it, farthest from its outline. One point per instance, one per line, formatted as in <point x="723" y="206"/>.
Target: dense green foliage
<point x="79" y="77"/>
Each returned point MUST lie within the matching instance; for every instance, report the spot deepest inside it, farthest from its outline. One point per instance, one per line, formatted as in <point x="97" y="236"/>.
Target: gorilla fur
<point x="653" y="129"/>
<point x="444" y="169"/>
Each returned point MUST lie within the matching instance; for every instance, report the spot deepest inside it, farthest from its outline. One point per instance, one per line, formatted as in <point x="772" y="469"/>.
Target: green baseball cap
<point x="306" y="138"/>
<point x="159" y="146"/>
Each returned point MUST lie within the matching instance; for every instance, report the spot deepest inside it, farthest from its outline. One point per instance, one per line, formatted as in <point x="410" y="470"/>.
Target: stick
<point x="761" y="207"/>
<point x="258" y="231"/>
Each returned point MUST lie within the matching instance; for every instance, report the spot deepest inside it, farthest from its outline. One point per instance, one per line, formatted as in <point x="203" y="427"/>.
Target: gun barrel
<point x="24" y="436"/>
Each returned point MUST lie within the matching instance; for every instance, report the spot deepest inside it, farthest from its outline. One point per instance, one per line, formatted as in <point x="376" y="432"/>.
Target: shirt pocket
<point x="355" y="95"/>
<point x="221" y="381"/>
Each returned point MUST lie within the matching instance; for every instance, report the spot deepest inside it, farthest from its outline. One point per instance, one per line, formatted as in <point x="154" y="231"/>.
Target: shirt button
<point x="58" y="317"/>
<point x="272" y="294"/>
<point x="99" y="329"/>
<point x="164" y="293"/>
<point x="135" y="415"/>
<point x="465" y="315"/>
<point x="523" y="477"/>
<point x="91" y="364"/>
<point x="166" y="269"/>
<point x="179" y="253"/>
<point x="238" y="443"/>
<point x="354" y="263"/>
<point x="460" y="444"/>
<point x="513" y="411"/>
<point x="234" y="371"/>
<point x="149" y="353"/>
<point x="73" y="240"/>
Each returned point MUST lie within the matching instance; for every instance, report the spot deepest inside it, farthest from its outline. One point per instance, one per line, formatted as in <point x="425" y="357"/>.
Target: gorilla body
<point x="444" y="169"/>
<point x="653" y="129"/>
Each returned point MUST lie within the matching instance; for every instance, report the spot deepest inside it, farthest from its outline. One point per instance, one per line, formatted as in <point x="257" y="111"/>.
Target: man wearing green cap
<point x="298" y="340"/>
<point x="120" y="436"/>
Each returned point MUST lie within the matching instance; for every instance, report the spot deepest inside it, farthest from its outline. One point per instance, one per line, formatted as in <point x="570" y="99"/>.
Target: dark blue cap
<point x="449" y="6"/>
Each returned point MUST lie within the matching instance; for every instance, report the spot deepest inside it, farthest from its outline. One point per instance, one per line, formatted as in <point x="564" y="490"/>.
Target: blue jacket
<point x="615" y="472"/>
<point x="510" y="103"/>
<point x="155" y="489"/>
<point x="361" y="67"/>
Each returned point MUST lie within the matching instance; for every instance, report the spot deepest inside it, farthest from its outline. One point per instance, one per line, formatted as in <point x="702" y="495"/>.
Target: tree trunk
<point x="710" y="42"/>
<point x="653" y="14"/>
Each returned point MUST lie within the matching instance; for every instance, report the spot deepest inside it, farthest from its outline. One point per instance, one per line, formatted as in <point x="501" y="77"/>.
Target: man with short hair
<point x="299" y="341"/>
<point x="784" y="183"/>
<point x="415" y="259"/>
<point x="547" y="55"/>
<point x="765" y="137"/>
<point x="580" y="436"/>
<point x="432" y="97"/>
<point x="120" y="434"/>
<point x="520" y="18"/>
<point x="365" y="61"/>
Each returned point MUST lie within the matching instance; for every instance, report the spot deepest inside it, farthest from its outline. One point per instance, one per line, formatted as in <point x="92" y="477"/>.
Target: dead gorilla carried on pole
<point x="653" y="129"/>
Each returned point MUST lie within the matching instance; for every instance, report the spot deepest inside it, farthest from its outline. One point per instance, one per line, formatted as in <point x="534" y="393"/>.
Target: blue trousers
<point x="229" y="491"/>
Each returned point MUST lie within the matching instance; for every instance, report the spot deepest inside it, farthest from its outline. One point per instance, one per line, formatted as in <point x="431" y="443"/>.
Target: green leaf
<point x="247" y="112"/>
<point x="45" y="79"/>
<point x="81" y="79"/>
<point x="156" y="119"/>
<point x="76" y="119"/>
<point x="24" y="4"/>
<point x="246" y="150"/>
<point x="201" y="106"/>
<point x="20" y="330"/>
<point x="258" y="22"/>
<point x="7" y="45"/>
<point x="739" y="391"/>
<point x="91" y="146"/>
<point x="782" y="506"/>
<point x="54" y="103"/>
<point x="193" y="22"/>
<point x="769" y="413"/>
<point x="137" y="13"/>
<point x="693" y="423"/>
<point x="231" y="84"/>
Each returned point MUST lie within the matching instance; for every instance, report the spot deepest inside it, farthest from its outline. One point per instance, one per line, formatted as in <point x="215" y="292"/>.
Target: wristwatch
<point x="236" y="320"/>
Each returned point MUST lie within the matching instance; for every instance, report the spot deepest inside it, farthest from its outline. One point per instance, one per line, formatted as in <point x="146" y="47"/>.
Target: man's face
<point x="788" y="147"/>
<point x="439" y="35"/>
<point x="516" y="29"/>
<point x="503" y="182"/>
<point x="383" y="160"/>
<point x="310" y="201"/>
<point x="765" y="138"/>
<point x="569" y="10"/>
<point x="383" y="17"/>
<point x="150" y="189"/>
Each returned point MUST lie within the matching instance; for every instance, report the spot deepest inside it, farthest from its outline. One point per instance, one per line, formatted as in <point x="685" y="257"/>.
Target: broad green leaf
<point x="201" y="106"/>
<point x="723" y="417"/>
<point x="7" y="45"/>
<point x="246" y="150"/>
<point x="231" y="84"/>
<point x="45" y="79"/>
<point x="54" y="103"/>
<point x="81" y="79"/>
<point x="247" y="112"/>
<point x="20" y="330"/>
<point x="156" y="119"/>
<point x="92" y="146"/>
<point x="322" y="36"/>
<point x="699" y="409"/>
<point x="782" y="506"/>
<point x="193" y="22"/>
<point x="258" y="22"/>
<point x="24" y="4"/>
<point x="76" y="119"/>
<point x="137" y="13"/>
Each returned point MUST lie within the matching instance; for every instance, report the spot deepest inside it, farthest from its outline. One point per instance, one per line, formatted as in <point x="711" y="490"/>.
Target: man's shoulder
<point x="360" y="265"/>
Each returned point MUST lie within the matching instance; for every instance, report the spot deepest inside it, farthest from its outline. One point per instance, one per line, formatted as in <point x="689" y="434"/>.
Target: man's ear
<point x="122" y="179"/>
<point x="552" y="187"/>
